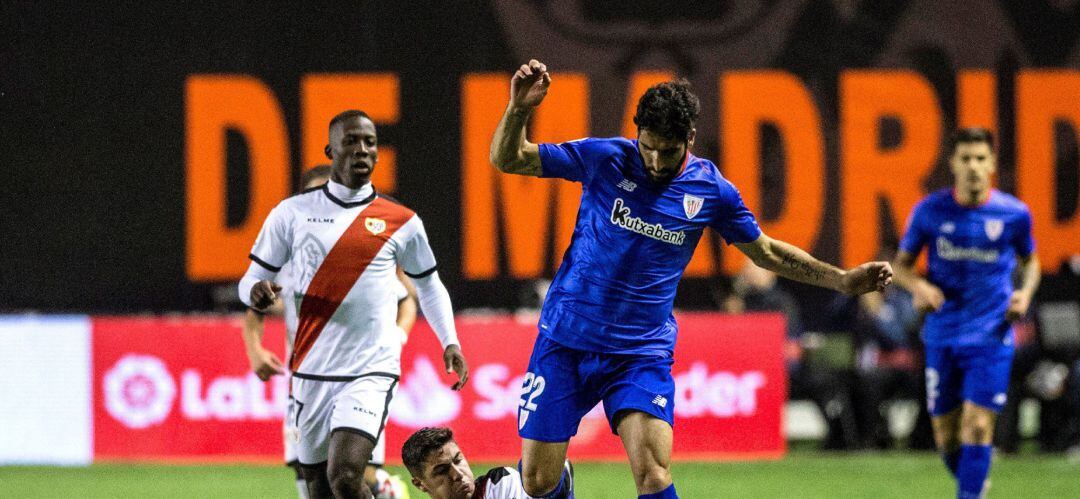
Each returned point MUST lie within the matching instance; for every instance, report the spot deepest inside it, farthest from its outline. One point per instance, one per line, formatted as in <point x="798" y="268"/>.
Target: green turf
<point x="801" y="474"/>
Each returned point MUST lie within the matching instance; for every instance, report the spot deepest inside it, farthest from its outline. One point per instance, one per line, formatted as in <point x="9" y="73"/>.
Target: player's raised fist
<point x="870" y="276"/>
<point x="263" y="294"/>
<point x="529" y="85"/>
<point x="454" y="361"/>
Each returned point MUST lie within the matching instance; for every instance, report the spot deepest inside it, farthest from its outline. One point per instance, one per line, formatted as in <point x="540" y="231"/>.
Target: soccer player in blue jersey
<point x="975" y="235"/>
<point x="606" y="329"/>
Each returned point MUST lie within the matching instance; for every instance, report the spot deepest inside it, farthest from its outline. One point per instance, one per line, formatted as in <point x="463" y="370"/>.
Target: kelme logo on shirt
<point x="620" y="215"/>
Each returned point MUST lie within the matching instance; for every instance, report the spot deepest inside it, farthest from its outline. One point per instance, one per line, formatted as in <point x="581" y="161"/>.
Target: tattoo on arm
<point x="803" y="268"/>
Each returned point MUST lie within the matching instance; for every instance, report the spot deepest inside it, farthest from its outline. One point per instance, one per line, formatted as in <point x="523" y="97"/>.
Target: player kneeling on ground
<point x="439" y="468"/>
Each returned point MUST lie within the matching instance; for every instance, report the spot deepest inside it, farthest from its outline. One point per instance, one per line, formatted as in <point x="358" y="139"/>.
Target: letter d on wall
<point x="216" y="104"/>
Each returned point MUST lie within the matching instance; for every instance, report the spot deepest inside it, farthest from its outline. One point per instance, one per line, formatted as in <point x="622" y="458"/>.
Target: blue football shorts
<point x="975" y="373"/>
<point x="563" y="384"/>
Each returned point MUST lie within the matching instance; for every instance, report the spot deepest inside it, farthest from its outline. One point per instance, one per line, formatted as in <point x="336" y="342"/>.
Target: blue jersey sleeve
<point x="572" y="160"/>
<point x="915" y="236"/>
<point x="1023" y="242"/>
<point x="735" y="222"/>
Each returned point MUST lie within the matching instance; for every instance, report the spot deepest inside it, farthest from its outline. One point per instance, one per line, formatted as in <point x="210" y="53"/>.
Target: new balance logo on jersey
<point x="947" y="251"/>
<point x="627" y="185"/>
<point x="660" y="401"/>
<point x="620" y="215"/>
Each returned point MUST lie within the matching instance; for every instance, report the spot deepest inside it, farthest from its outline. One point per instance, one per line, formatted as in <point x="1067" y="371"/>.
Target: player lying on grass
<point x="439" y="468"/>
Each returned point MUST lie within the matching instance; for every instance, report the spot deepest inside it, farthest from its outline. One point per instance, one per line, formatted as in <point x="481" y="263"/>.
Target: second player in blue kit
<point x="606" y="330"/>
<point x="974" y="236"/>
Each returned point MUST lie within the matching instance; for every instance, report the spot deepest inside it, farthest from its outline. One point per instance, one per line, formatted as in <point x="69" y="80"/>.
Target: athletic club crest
<point x="375" y="225"/>
<point x="994" y="228"/>
<point x="691" y="205"/>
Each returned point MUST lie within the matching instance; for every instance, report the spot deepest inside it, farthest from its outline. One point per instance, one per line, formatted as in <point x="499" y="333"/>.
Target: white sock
<point x="301" y="488"/>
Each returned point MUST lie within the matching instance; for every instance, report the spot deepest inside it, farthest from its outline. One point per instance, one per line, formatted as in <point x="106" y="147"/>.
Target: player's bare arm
<point x="1030" y="274"/>
<point x="511" y="152"/>
<point x="793" y="263"/>
<point x="264" y="363"/>
<point x="926" y="297"/>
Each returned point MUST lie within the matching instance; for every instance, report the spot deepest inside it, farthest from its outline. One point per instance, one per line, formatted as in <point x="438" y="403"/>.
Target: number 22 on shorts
<point x="531" y="389"/>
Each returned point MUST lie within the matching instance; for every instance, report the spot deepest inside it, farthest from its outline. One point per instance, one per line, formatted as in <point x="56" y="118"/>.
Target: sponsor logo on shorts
<point x="660" y="401"/>
<point x="1000" y="398"/>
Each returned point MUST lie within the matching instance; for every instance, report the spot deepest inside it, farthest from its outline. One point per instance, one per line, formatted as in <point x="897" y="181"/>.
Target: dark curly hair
<point x="668" y="109"/>
<point x="420" y="445"/>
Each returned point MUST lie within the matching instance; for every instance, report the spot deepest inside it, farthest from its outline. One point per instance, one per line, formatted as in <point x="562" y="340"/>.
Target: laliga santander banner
<point x="181" y="389"/>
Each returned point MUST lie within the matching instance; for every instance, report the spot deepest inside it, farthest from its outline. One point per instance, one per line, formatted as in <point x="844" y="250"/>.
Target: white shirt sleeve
<point x="271" y="251"/>
<point x="416" y="258"/>
<point x="273" y="247"/>
<point x="435" y="303"/>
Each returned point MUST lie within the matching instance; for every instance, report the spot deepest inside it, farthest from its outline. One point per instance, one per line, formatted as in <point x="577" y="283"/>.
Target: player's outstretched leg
<point x="349" y="453"/>
<point x="976" y="435"/>
<point x="648" y="445"/>
<point x="543" y="472"/>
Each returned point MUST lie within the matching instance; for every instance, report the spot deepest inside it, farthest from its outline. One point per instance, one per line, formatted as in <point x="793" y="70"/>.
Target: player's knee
<point x="346" y="477"/>
<point x="538" y="482"/>
<point x="977" y="431"/>
<point x="653" y="478"/>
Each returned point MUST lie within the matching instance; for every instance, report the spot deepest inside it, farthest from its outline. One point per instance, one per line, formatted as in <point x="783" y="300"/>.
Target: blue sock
<point x="668" y="493"/>
<point x="974" y="466"/>
<point x="952" y="460"/>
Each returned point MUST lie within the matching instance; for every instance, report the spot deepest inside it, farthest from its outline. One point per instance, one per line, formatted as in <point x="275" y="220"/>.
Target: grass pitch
<point x="801" y="474"/>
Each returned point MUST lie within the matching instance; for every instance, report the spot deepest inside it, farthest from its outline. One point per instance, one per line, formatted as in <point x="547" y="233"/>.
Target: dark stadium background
<point x="92" y="99"/>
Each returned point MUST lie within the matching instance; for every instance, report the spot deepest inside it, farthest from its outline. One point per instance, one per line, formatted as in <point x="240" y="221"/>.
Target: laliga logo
<point x="139" y="391"/>
<point x="424" y="400"/>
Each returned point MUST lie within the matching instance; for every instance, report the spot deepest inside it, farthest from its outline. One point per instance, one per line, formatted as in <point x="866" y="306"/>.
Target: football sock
<point x="971" y="474"/>
<point x="301" y="489"/>
<point x="952" y="460"/>
<point x="668" y="493"/>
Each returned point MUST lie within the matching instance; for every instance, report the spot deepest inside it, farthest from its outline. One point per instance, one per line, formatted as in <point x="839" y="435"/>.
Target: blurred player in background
<point x="266" y="364"/>
<point x="343" y="243"/>
<point x="439" y="468"/>
<point x="606" y="329"/>
<point x="975" y="235"/>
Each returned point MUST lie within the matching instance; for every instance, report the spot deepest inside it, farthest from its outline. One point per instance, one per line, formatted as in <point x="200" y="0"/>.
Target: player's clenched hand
<point x="926" y="297"/>
<point x="1018" y="305"/>
<point x="263" y="294"/>
<point x="455" y="362"/>
<point x="529" y="85"/>
<point x="870" y="276"/>
<point x="264" y="363"/>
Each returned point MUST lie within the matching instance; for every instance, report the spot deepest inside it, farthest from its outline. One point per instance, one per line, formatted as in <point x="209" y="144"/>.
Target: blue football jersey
<point x="972" y="255"/>
<point x="632" y="240"/>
